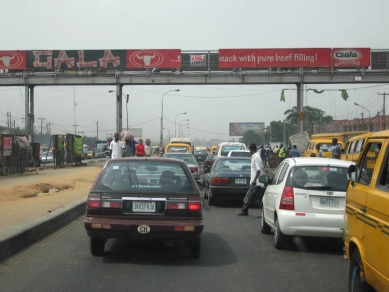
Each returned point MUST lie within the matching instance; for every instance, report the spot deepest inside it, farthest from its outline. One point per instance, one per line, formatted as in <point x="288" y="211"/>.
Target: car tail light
<point x="184" y="228"/>
<point x="176" y="206"/>
<point x="287" y="199"/>
<point x="93" y="203"/>
<point x="221" y="180"/>
<point x="195" y="169"/>
<point x="194" y="206"/>
<point x="113" y="205"/>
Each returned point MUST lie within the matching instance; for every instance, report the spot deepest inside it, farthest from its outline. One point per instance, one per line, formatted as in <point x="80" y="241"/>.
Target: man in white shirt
<point x="116" y="147"/>
<point x="256" y="189"/>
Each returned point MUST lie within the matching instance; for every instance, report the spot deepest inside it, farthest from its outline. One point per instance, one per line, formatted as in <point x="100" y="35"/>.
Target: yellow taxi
<point x="366" y="224"/>
<point x="353" y="147"/>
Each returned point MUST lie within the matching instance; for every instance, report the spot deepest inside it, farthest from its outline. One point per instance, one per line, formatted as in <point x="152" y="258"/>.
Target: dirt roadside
<point x="29" y="196"/>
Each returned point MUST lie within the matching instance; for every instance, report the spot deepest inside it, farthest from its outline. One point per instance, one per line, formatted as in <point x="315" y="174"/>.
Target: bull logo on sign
<point x="146" y="59"/>
<point x="6" y="60"/>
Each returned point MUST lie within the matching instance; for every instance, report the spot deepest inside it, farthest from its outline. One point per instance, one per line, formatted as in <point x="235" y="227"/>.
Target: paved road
<point x="235" y="257"/>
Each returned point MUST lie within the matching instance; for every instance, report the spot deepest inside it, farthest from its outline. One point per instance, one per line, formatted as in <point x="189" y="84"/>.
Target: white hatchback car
<point x="306" y="197"/>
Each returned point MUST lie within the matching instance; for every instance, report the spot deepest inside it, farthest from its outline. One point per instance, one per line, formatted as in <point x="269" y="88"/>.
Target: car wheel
<point x="97" y="246"/>
<point x="265" y="229"/>
<point x="280" y="239"/>
<point x="211" y="199"/>
<point x="355" y="281"/>
<point x="194" y="248"/>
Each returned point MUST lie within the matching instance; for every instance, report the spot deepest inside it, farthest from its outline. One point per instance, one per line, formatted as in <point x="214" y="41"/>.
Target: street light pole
<point x="175" y="124"/>
<point x="179" y="126"/>
<point x="127" y="97"/>
<point x="161" y="131"/>
<point x="362" y="113"/>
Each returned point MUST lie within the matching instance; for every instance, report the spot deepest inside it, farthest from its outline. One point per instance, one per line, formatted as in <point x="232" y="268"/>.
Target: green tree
<point x="251" y="137"/>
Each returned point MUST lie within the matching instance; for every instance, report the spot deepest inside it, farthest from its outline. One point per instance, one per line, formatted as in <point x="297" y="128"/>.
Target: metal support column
<point x="119" y="108"/>
<point x="26" y="110"/>
<point x="300" y="106"/>
<point x="32" y="115"/>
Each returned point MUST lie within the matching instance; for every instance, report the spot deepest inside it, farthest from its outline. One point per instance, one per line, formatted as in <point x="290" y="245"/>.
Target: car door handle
<point x="363" y="209"/>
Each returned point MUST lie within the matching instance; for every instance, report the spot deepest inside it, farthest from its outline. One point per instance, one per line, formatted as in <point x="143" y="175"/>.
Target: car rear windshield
<point x="235" y="165"/>
<point x="319" y="177"/>
<point x="179" y="149"/>
<point x="144" y="176"/>
<point x="228" y="148"/>
<point x="240" y="154"/>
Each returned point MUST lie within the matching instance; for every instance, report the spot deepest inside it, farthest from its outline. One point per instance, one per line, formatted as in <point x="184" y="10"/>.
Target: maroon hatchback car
<point x="145" y="199"/>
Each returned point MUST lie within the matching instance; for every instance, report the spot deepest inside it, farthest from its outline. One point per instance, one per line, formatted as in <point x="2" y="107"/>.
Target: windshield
<point x="188" y="158"/>
<point x="322" y="177"/>
<point x="228" y="148"/>
<point x="143" y="176"/>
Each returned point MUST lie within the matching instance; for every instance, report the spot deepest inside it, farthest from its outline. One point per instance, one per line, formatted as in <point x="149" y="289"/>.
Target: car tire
<point x="97" y="246"/>
<point x="280" y="239"/>
<point x="265" y="228"/>
<point x="355" y="282"/>
<point x="194" y="248"/>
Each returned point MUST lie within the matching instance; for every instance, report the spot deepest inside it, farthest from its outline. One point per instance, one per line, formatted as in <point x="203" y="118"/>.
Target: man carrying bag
<point x="256" y="189"/>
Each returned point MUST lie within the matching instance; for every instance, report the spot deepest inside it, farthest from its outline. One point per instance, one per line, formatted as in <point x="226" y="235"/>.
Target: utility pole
<point x="41" y="126"/>
<point x="75" y="129"/>
<point x="97" y="135"/>
<point x="383" y="94"/>
<point x="48" y="128"/>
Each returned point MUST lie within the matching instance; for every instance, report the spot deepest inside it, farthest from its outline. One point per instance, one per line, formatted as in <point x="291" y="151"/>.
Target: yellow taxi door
<point x="376" y="218"/>
<point x="357" y="194"/>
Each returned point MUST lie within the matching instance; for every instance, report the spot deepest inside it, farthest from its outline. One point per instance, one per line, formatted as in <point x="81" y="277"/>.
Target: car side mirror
<point x="264" y="178"/>
<point x="206" y="170"/>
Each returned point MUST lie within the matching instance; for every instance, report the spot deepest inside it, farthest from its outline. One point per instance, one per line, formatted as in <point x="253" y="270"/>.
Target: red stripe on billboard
<point x="351" y="57"/>
<point x="153" y="58"/>
<point x="12" y="59"/>
<point x="272" y="58"/>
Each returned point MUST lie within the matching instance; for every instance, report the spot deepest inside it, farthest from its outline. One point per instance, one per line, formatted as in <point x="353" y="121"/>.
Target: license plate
<point x="143" y="207"/>
<point x="329" y="202"/>
<point x="240" y="181"/>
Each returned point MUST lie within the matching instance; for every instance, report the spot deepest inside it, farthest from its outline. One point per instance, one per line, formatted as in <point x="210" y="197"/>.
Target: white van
<point x="225" y="147"/>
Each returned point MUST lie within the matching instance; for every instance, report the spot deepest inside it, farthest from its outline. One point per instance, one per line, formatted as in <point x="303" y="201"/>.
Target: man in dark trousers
<point x="256" y="189"/>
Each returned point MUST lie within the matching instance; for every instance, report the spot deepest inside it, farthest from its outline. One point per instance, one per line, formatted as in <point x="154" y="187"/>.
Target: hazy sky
<point x="187" y="25"/>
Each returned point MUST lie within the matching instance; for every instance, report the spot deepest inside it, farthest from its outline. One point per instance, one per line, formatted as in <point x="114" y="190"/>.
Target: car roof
<point x="307" y="161"/>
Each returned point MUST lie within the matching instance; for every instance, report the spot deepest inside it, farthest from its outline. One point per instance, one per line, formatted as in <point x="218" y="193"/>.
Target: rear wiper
<point x="318" y="187"/>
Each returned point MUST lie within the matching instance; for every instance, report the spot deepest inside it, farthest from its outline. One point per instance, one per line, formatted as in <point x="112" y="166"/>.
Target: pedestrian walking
<point x="140" y="149"/>
<point x="294" y="152"/>
<point x="256" y="189"/>
<point x="320" y="152"/>
<point x="116" y="147"/>
<point x="337" y="149"/>
<point x="93" y="153"/>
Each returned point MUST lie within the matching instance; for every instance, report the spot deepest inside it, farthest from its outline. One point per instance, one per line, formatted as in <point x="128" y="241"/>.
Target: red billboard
<point x="7" y="146"/>
<point x="350" y="57"/>
<point x="12" y="59"/>
<point x="154" y="58"/>
<point x="273" y="58"/>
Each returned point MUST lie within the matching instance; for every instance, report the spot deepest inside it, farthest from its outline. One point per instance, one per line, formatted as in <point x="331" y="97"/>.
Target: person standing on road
<point x="320" y="152"/>
<point x="140" y="149"/>
<point x="93" y="153"/>
<point x="294" y="152"/>
<point x="337" y="149"/>
<point x="262" y="153"/>
<point x="256" y="188"/>
<point x="281" y="154"/>
<point x="130" y="147"/>
<point x="148" y="149"/>
<point x="116" y="147"/>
